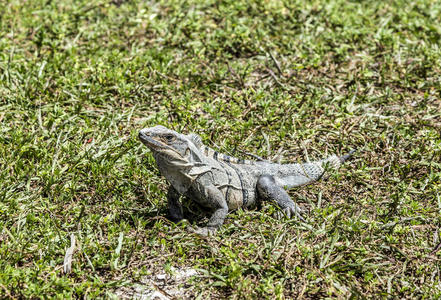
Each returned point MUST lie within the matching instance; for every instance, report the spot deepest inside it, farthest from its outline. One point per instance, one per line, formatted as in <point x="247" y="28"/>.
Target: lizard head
<point x="167" y="143"/>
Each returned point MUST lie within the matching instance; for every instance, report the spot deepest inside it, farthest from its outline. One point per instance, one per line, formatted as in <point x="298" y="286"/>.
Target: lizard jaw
<point x="159" y="147"/>
<point x="150" y="142"/>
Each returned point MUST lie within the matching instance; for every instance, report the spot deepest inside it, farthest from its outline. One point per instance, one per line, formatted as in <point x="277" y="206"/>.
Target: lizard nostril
<point x="143" y="134"/>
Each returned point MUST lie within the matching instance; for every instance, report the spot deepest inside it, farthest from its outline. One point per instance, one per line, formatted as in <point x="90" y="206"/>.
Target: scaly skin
<point x="221" y="182"/>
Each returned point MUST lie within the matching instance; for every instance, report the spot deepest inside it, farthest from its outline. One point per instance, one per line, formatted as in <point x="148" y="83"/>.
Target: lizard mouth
<point x="161" y="148"/>
<point x="156" y="145"/>
<point x="151" y="142"/>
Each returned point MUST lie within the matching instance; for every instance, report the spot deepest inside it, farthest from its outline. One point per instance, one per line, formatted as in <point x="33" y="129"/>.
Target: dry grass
<point x="78" y="80"/>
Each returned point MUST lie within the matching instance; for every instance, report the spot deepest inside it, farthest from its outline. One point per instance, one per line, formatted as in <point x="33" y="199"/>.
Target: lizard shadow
<point x="141" y="209"/>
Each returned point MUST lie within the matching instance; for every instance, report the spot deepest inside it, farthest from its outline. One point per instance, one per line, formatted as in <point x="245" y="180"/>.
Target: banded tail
<point x="293" y="175"/>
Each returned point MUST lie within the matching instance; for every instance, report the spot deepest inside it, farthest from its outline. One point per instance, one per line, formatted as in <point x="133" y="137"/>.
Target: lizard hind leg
<point x="268" y="189"/>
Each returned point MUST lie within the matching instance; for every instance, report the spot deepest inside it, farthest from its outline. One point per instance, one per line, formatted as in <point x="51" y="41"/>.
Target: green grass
<point x="78" y="79"/>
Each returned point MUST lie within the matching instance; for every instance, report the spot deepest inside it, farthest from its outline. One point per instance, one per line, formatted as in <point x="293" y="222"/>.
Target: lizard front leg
<point x="214" y="199"/>
<point x="174" y="205"/>
<point x="268" y="189"/>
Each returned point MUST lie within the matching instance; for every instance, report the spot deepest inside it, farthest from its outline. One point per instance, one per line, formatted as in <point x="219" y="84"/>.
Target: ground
<point x="290" y="80"/>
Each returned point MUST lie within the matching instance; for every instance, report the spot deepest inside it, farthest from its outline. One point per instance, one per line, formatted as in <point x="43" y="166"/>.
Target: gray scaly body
<point x="223" y="183"/>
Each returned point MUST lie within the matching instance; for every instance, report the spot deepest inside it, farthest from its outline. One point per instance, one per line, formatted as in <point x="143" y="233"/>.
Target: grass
<point x="78" y="79"/>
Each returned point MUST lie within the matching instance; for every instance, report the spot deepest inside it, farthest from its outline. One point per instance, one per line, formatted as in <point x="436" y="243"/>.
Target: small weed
<point x="281" y="79"/>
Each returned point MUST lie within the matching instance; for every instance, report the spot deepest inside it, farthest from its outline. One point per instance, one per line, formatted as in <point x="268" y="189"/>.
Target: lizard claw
<point x="292" y="211"/>
<point x="202" y="231"/>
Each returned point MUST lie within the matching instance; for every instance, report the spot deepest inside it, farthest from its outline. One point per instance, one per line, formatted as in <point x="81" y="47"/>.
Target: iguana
<point x="224" y="183"/>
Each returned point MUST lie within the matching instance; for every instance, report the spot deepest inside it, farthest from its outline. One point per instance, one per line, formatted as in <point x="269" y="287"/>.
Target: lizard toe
<point x="292" y="211"/>
<point x="202" y="231"/>
<point x="287" y="211"/>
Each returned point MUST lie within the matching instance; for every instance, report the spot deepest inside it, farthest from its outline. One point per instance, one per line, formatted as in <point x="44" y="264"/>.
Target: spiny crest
<point x="196" y="139"/>
<point x="209" y="152"/>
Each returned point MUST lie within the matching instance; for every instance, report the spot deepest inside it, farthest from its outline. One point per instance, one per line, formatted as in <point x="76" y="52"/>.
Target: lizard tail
<point x="347" y="156"/>
<point x="334" y="161"/>
<point x="293" y="175"/>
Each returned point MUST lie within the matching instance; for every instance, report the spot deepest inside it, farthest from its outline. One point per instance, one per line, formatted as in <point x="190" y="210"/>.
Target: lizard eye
<point x="169" y="137"/>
